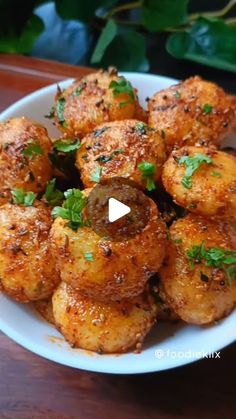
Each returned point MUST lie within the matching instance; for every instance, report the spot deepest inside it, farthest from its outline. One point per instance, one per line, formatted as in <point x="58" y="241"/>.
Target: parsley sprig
<point x="216" y="257"/>
<point x="96" y="174"/>
<point x="148" y="169"/>
<point x="21" y="197"/>
<point x="33" y="147"/>
<point x="67" y="145"/>
<point x="52" y="195"/>
<point x="122" y="86"/>
<point x="72" y="209"/>
<point x="60" y="107"/>
<point x="192" y="163"/>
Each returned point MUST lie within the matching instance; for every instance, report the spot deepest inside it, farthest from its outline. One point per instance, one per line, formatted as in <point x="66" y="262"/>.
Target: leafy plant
<point x="204" y="37"/>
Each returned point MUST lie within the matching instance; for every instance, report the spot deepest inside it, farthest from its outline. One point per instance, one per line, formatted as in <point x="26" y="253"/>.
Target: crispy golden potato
<point x="164" y="312"/>
<point x="92" y="100"/>
<point x="27" y="270"/>
<point x="117" y="269"/>
<point x="44" y="307"/>
<point x="194" y="111"/>
<point x="24" y="162"/>
<point x="212" y="189"/>
<point x="111" y="327"/>
<point x="199" y="293"/>
<point x="118" y="148"/>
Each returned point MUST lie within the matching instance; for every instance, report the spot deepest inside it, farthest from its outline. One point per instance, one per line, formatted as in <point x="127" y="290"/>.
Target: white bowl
<point x="167" y="346"/>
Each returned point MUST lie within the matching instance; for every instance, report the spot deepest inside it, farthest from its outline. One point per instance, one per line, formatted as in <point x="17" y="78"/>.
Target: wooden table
<point x="32" y="387"/>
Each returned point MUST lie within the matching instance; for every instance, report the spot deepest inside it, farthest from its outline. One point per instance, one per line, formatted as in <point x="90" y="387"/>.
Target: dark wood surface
<point x="32" y="387"/>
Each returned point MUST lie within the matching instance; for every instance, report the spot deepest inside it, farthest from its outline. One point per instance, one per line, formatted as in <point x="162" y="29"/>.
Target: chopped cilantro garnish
<point x="96" y="175"/>
<point x="176" y="94"/>
<point x="207" y="108"/>
<point x="216" y="257"/>
<point x="104" y="159"/>
<point x="216" y="174"/>
<point x="20" y="197"/>
<point x="192" y="163"/>
<point x="122" y="86"/>
<point x="72" y="208"/>
<point x="148" y="169"/>
<point x="141" y="128"/>
<point x="89" y="256"/>
<point x="67" y="145"/>
<point x="178" y="241"/>
<point x="79" y="89"/>
<point x="52" y="195"/>
<point x="60" y="106"/>
<point x="99" y="132"/>
<point x="32" y="148"/>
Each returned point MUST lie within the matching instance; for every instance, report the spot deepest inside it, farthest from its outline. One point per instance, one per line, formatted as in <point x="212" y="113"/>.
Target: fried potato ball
<point x="44" y="307"/>
<point x="24" y="162"/>
<point x="27" y="270"/>
<point x="106" y="269"/>
<point x="117" y="148"/>
<point x="193" y="111"/>
<point x="211" y="189"/>
<point x="111" y="327"/>
<point x="164" y="312"/>
<point x="194" y="278"/>
<point x="96" y="98"/>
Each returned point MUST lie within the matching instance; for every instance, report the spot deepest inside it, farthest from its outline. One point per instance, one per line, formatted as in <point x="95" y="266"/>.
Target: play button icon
<point x="116" y="210"/>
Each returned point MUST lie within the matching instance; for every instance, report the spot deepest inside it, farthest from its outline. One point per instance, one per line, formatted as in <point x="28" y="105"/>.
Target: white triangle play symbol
<point x="116" y="210"/>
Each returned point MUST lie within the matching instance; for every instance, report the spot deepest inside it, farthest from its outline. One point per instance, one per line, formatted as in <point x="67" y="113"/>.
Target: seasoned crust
<point x="124" y="144"/>
<point x="181" y="111"/>
<point x="112" y="327"/>
<point x="199" y="294"/>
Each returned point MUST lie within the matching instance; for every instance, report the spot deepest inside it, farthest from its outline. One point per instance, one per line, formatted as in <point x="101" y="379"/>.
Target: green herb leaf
<point x="207" y="108"/>
<point x="207" y="41"/>
<point x="79" y="89"/>
<point x="60" y="106"/>
<point x="32" y="148"/>
<point x="72" y="209"/>
<point x="215" y="257"/>
<point x="122" y="86"/>
<point x="96" y="175"/>
<point x="98" y="132"/>
<point x="20" y="197"/>
<point x="217" y="174"/>
<point x="127" y="52"/>
<point x="19" y="38"/>
<point x="52" y="195"/>
<point x="67" y="145"/>
<point x="81" y="10"/>
<point x="141" y="128"/>
<point x="177" y="94"/>
<point x="89" y="256"/>
<point x="104" y="159"/>
<point x="192" y="164"/>
<point x="148" y="170"/>
<point x="161" y="14"/>
<point x="107" y="35"/>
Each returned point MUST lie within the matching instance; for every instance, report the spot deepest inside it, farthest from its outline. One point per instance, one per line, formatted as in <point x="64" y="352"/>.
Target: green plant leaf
<point x="13" y="42"/>
<point x="83" y="10"/>
<point x="108" y="34"/>
<point x="161" y="14"/>
<point x="127" y="52"/>
<point x="209" y="41"/>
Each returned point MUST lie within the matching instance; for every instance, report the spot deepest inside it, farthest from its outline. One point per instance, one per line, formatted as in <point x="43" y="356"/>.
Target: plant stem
<point x="231" y="21"/>
<point x="128" y="6"/>
<point x="217" y="13"/>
